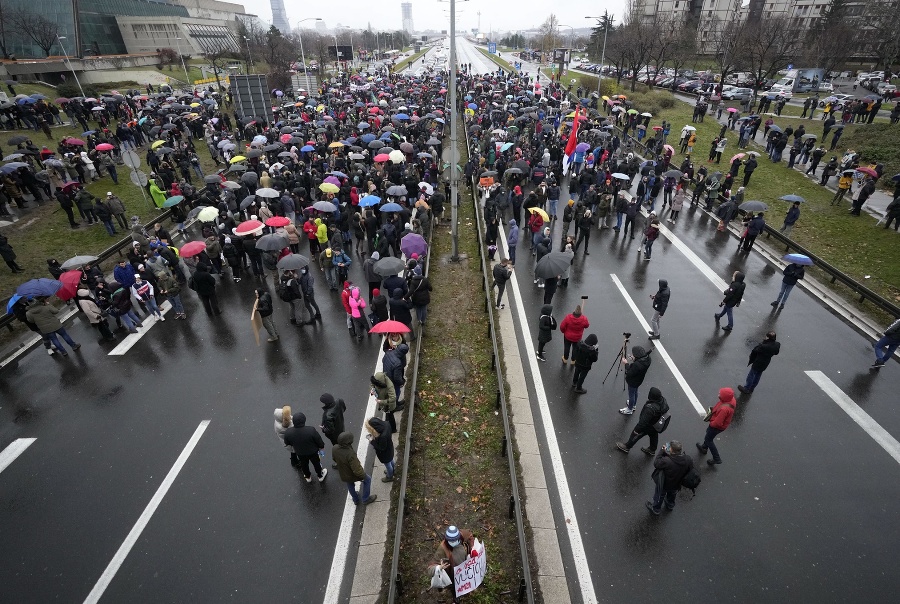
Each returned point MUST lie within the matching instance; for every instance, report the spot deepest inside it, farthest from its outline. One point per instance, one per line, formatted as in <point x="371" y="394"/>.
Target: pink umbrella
<point x="732" y="110"/>
<point x="278" y="221"/>
<point x="188" y="250"/>
<point x="105" y="147"/>
<point x="248" y="226"/>
<point x="75" y="142"/>
<point x="382" y="157"/>
<point x="669" y="148"/>
<point x="285" y="138"/>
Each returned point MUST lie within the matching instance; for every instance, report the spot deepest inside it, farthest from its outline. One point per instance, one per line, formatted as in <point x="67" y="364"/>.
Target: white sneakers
<point x="324" y="474"/>
<point x="626" y="411"/>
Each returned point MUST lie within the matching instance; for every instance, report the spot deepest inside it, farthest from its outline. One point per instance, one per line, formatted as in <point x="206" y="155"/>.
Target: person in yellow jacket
<point x="843" y="186"/>
<point x="321" y="233"/>
<point x="158" y="195"/>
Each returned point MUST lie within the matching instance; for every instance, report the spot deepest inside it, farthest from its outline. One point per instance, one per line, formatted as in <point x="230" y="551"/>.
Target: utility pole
<point x="479" y="21"/>
<point x="452" y="117"/>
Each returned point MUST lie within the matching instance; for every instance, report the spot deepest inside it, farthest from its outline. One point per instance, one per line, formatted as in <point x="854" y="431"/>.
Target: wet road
<point x="239" y="522"/>
<point x="797" y="509"/>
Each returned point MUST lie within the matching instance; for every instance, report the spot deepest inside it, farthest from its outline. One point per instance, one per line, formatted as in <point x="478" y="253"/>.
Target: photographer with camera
<point x="636" y="366"/>
<point x="671" y="466"/>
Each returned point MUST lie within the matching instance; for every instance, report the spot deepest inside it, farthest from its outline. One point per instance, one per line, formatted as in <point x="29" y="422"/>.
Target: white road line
<point x="585" y="583"/>
<point x="26" y="346"/>
<point x="863" y="419"/>
<point x="144" y="519"/>
<point x="661" y="349"/>
<point x="16" y="448"/>
<point x="342" y="547"/>
<point x="131" y="339"/>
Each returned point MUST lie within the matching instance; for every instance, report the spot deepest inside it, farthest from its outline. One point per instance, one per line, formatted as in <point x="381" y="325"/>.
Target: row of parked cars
<point x="874" y="81"/>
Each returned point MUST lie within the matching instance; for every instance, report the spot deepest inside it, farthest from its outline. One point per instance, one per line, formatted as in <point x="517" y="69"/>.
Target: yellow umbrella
<point x="237" y="158"/>
<point x="604" y="97"/>
<point x="320" y="108"/>
<point x="156" y="144"/>
<point x="327" y="187"/>
<point x="571" y="114"/>
<point x="541" y="212"/>
<point x="195" y="104"/>
<point x="335" y="145"/>
<point x="470" y="111"/>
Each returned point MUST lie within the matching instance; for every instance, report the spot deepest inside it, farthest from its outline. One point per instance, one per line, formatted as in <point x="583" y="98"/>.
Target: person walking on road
<point x="42" y="314"/>
<point x="332" y="419"/>
<point x="655" y="407"/>
<point x="886" y="346"/>
<point x="732" y="298"/>
<point x="792" y="273"/>
<point x="385" y="397"/>
<point x="283" y="421"/>
<point x="350" y="469"/>
<point x="719" y="419"/>
<point x="308" y="445"/>
<point x="546" y="326"/>
<point x="660" y="304"/>
<point x="671" y="465"/>
<point x="264" y="308"/>
<point x="205" y="286"/>
<point x="512" y="240"/>
<point x="636" y="367"/>
<point x="760" y="357"/>
<point x="502" y="273"/>
<point x="572" y="329"/>
<point x="380" y="439"/>
<point x="585" y="355"/>
<point x="169" y="287"/>
<point x="394" y="367"/>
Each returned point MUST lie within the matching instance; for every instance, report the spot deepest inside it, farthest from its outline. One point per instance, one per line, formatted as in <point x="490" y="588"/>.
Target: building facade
<point x="406" y="14"/>
<point x="279" y="17"/>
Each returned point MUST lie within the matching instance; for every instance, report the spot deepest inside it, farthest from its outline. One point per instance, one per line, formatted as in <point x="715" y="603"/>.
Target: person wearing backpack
<point x="289" y="291"/>
<point x="655" y="407"/>
<point x="307" y="286"/>
<point x="719" y="420"/>
<point x="671" y="465"/>
<point x="332" y="418"/>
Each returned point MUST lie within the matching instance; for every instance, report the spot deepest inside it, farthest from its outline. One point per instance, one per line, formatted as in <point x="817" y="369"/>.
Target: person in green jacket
<point x="43" y="315"/>
<point x="385" y="397"/>
<point x="158" y="195"/>
<point x="351" y="470"/>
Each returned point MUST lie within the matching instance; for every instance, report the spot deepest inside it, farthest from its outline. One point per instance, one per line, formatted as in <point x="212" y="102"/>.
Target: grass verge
<point x="506" y="66"/>
<point x="456" y="474"/>
<point x="410" y="60"/>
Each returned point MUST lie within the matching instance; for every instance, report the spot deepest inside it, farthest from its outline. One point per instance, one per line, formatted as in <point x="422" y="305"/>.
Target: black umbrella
<point x="272" y="243"/>
<point x="389" y="266"/>
<point x="17" y="139"/>
<point x="253" y="153"/>
<point x="293" y="262"/>
<point x="754" y="206"/>
<point x="673" y="174"/>
<point x="553" y="264"/>
<point x="248" y="201"/>
<point x="272" y="147"/>
<point x="376" y="144"/>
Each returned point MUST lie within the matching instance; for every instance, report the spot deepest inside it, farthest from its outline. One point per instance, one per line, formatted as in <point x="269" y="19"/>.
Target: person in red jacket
<point x="719" y="421"/>
<point x="572" y="329"/>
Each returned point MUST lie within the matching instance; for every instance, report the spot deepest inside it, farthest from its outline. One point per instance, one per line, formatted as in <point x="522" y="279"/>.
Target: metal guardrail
<point x="116" y="249"/>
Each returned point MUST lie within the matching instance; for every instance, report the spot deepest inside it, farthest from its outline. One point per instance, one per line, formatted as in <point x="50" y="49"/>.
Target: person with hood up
<point x="394" y="367"/>
<point x="760" y="357"/>
<point x="546" y="326"/>
<point x="636" y="367"/>
<point x="372" y="278"/>
<point x="732" y="298"/>
<point x="205" y="286"/>
<point x="283" y="421"/>
<point x="719" y="419"/>
<point x="584" y="231"/>
<point x="89" y="307"/>
<point x="43" y="315"/>
<point x="502" y="273"/>
<point x="420" y="294"/>
<point x="572" y="329"/>
<point x="512" y="240"/>
<point x="332" y="419"/>
<point x="264" y="308"/>
<point x="357" y="313"/>
<point x="379" y="305"/>
<point x="660" y="304"/>
<point x="308" y="445"/>
<point x="350" y="469"/>
<point x="380" y="438"/>
<point x="585" y="355"/>
<point x="159" y="196"/>
<point x="400" y="308"/>
<point x="385" y="396"/>
<point x="671" y="465"/>
<point x="655" y="407"/>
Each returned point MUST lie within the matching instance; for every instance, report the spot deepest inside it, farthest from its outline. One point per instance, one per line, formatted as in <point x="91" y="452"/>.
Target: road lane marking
<point x="131" y="339"/>
<point x="342" y="547"/>
<point x="557" y="465"/>
<point x="661" y="349"/>
<point x="16" y="448"/>
<point x="863" y="419"/>
<point x="144" y="519"/>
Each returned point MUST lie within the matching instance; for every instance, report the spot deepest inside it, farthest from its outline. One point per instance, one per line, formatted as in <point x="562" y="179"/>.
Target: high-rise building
<point x="406" y="14"/>
<point x="279" y="16"/>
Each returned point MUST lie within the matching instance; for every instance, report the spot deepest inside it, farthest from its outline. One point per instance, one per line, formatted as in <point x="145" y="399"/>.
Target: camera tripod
<point x="617" y="362"/>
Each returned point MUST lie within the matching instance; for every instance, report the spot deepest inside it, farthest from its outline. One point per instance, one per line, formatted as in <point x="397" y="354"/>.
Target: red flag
<point x="569" y="155"/>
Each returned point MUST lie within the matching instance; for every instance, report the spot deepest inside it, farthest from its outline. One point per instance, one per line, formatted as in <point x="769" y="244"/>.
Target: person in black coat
<point x="546" y="325"/>
<point x="732" y="298"/>
<point x="307" y="443"/>
<point x="636" y="367"/>
<point x="394" y="367"/>
<point x="420" y="294"/>
<point x="792" y="273"/>
<point x="400" y="308"/>
<point x="205" y="285"/>
<point x="380" y="439"/>
<point x="502" y="272"/>
<point x="586" y="353"/>
<point x="760" y="357"/>
<point x="655" y="407"/>
<point x="671" y="465"/>
<point x="379" y="305"/>
<point x="660" y="304"/>
<point x="332" y="418"/>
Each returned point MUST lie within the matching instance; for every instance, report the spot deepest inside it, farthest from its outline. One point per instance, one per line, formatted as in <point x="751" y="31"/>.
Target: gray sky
<point x="501" y="15"/>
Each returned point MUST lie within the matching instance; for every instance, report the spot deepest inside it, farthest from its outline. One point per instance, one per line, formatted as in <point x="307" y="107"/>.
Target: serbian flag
<point x="569" y="156"/>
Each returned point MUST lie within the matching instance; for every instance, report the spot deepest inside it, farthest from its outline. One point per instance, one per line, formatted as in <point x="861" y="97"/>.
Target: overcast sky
<point x="501" y="15"/>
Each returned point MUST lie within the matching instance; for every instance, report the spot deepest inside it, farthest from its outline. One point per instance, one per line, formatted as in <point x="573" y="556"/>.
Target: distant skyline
<point x="504" y="15"/>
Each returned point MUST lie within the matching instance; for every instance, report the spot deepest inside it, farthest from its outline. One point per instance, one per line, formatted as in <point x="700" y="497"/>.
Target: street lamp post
<point x="571" y="33"/>
<point x="249" y="54"/>
<point x="69" y="63"/>
<point x="187" y="79"/>
<point x="605" y="19"/>
<point x="302" y="55"/>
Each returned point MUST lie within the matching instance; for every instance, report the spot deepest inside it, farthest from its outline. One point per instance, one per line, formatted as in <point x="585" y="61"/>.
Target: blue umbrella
<point x="363" y="125"/>
<point x="39" y="287"/>
<point x="339" y="174"/>
<point x="792" y="198"/>
<point x="27" y="101"/>
<point x="386" y="136"/>
<point x="621" y="176"/>
<point x="173" y="201"/>
<point x="88" y="132"/>
<point x="440" y="120"/>
<point x="350" y="140"/>
<point x="798" y="259"/>
<point x="369" y="200"/>
<point x="307" y="148"/>
<point x="37" y="96"/>
<point x="367" y="138"/>
<point x="388" y="207"/>
<point x="359" y="104"/>
<point x="12" y="302"/>
<point x="401" y="116"/>
<point x="472" y="106"/>
<point x="10" y="168"/>
<point x="506" y="146"/>
<point x="649" y="162"/>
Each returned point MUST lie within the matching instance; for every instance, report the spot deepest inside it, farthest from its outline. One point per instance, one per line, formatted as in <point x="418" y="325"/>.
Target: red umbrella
<point x="248" y="226"/>
<point x="73" y="184"/>
<point x="389" y="327"/>
<point x="70" y="281"/>
<point x="278" y="221"/>
<point x="868" y="171"/>
<point x="105" y="147"/>
<point x="382" y="157"/>
<point x="75" y="142"/>
<point x="192" y="249"/>
<point x="61" y="100"/>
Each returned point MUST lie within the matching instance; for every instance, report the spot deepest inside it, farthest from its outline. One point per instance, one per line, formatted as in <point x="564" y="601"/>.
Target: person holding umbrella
<point x="43" y="315"/>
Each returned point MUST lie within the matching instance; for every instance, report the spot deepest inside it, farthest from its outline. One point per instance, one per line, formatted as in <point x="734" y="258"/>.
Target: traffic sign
<point x="131" y="159"/>
<point x="492" y="48"/>
<point x="139" y="178"/>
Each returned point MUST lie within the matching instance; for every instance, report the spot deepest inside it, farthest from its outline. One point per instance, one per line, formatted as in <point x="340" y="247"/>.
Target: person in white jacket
<point x="143" y="291"/>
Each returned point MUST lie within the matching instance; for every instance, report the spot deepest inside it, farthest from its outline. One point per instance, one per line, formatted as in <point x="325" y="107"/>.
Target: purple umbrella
<point x="333" y="180"/>
<point x="582" y="147"/>
<point x="413" y="243"/>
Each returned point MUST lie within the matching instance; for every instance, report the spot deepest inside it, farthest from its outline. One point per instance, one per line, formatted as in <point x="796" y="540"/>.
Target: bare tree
<point x="167" y="57"/>
<point x="640" y="37"/>
<point x="42" y="32"/>
<point x="683" y="50"/>
<point x="882" y="32"/>
<point x="768" y="45"/>
<point x="7" y="28"/>
<point x="724" y="39"/>
<point x="549" y="37"/>
<point x="617" y="51"/>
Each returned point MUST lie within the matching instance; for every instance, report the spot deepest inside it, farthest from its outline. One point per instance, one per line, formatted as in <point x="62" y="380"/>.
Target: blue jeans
<point x="784" y="293"/>
<point x="389" y="466"/>
<point x="619" y="216"/>
<point x="648" y="247"/>
<point x="727" y="310"/>
<point x="366" y="489"/>
<point x="632" y="397"/>
<point x="130" y="319"/>
<point x="422" y="313"/>
<point x="712" y="433"/>
<point x="553" y="204"/>
<point x="151" y="304"/>
<point x="752" y="379"/>
<point x="109" y="227"/>
<point x="886" y="343"/>
<point x="536" y="239"/>
<point x="65" y="336"/>
<point x="177" y="306"/>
